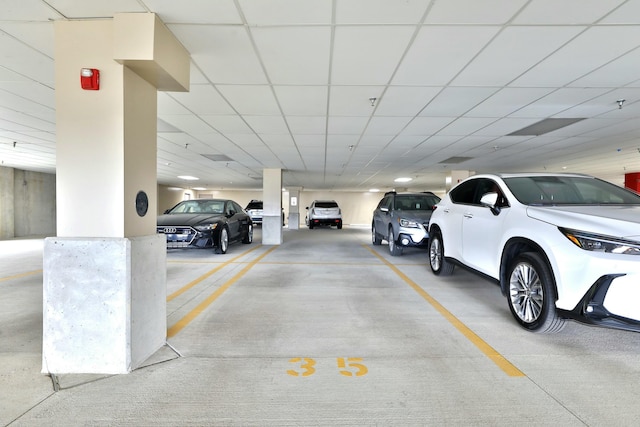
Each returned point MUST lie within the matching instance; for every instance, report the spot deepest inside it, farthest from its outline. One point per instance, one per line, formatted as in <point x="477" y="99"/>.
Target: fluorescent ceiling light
<point x="199" y="188"/>
<point x="403" y="179"/>
<point x="374" y="190"/>
<point x="188" y="178"/>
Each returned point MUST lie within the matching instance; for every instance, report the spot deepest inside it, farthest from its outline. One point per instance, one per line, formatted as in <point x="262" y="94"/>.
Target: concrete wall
<point x="27" y="203"/>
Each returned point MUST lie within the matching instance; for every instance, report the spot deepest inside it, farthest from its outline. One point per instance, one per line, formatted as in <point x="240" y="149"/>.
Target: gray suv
<point x="402" y="219"/>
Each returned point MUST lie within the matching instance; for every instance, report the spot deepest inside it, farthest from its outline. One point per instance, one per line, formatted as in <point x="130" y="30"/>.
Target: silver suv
<point x="324" y="212"/>
<point x="402" y="219"/>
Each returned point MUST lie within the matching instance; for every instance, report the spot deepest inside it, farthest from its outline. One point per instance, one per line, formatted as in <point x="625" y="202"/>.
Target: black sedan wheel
<point x="439" y="264"/>
<point x="248" y="238"/>
<point x="223" y="241"/>
<point x="531" y="294"/>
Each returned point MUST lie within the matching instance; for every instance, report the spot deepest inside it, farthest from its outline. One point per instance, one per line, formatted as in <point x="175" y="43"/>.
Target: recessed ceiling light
<point x="188" y="178"/>
<point x="405" y="179"/>
<point x="199" y="188"/>
<point x="374" y="190"/>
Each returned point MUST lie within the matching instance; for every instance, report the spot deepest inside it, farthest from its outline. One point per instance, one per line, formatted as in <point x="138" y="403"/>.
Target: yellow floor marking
<point x="21" y="275"/>
<point x="204" y="276"/>
<point x="489" y="351"/>
<point x="172" y="331"/>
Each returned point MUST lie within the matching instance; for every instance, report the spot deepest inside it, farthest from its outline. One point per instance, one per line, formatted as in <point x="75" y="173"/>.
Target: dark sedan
<point x="206" y="223"/>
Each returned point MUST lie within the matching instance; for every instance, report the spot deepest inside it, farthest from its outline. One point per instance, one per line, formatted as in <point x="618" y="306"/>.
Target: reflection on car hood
<point x="420" y="216"/>
<point x="188" y="219"/>
<point x="620" y="221"/>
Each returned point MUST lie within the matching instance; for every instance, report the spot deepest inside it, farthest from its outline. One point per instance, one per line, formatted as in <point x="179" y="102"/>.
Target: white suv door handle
<point x="468" y="215"/>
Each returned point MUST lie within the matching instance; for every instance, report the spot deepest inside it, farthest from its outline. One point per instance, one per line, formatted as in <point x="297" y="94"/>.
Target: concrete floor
<point x="323" y="330"/>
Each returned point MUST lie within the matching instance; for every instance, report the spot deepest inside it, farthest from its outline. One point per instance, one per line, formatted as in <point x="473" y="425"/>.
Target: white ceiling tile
<point x="198" y="12"/>
<point x="619" y="72"/>
<point x="224" y="54"/>
<point x="426" y="125"/>
<point x="456" y="101"/>
<point x="514" y="51"/>
<point x="295" y="55"/>
<point x="504" y="127"/>
<point x="474" y="12"/>
<point x="368" y="55"/>
<point x="187" y="123"/>
<point x="405" y="100"/>
<point x="557" y="102"/>
<point x="386" y="125"/>
<point x="565" y="12"/>
<point x="95" y="9"/>
<point x="203" y="99"/>
<point x="430" y="61"/>
<point x="466" y="125"/>
<point x="36" y="35"/>
<point x="347" y="125"/>
<point x="267" y="125"/>
<point x="591" y="50"/>
<point x="302" y="100"/>
<point x="227" y="124"/>
<point x="307" y="125"/>
<point x="260" y="12"/>
<point x="352" y="100"/>
<point x="380" y="11"/>
<point x="507" y="101"/>
<point x="253" y="100"/>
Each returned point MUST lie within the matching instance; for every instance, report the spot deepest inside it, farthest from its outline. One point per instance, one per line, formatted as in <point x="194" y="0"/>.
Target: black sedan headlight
<point x="601" y="243"/>
<point x="206" y="227"/>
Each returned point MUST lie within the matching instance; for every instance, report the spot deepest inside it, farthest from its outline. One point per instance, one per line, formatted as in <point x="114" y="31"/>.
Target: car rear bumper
<point x="325" y="221"/>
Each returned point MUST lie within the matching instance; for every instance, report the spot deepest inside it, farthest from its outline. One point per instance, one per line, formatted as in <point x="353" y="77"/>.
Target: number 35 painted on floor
<point x="349" y="367"/>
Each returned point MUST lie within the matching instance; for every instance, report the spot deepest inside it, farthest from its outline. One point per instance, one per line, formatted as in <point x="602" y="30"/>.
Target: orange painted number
<point x="306" y="364"/>
<point x="351" y="363"/>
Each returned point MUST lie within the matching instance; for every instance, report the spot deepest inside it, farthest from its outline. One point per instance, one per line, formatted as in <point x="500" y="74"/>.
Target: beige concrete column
<point x="294" y="208"/>
<point x="272" y="206"/>
<point x="105" y="272"/>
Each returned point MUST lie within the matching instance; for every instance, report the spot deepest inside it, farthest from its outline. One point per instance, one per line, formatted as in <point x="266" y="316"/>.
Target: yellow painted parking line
<point x="489" y="351"/>
<point x="211" y="298"/>
<point x="204" y="276"/>
<point x="20" y="276"/>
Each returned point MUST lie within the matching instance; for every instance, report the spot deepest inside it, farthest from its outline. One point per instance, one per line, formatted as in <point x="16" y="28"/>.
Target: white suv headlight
<point x="601" y="243"/>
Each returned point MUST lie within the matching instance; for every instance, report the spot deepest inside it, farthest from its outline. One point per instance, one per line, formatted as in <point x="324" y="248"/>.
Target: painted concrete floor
<point x="323" y="330"/>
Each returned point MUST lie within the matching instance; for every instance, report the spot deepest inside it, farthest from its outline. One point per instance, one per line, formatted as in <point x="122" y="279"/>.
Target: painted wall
<point x="27" y="203"/>
<point x="357" y="207"/>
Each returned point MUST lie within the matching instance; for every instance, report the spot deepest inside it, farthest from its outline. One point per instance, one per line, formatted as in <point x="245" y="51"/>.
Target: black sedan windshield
<point x="568" y="190"/>
<point x="199" y="206"/>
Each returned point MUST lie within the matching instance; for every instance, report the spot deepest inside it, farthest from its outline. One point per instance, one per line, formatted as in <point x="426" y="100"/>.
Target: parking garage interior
<point x="332" y="99"/>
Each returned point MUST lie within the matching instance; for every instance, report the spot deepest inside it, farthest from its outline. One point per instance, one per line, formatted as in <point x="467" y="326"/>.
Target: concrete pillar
<point x="7" y="206"/>
<point x="294" y="208"/>
<point x="272" y="206"/>
<point x="105" y="272"/>
<point x="457" y="176"/>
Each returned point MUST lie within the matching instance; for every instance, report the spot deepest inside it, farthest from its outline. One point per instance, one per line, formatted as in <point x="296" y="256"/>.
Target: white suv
<point x="559" y="245"/>
<point x="324" y="212"/>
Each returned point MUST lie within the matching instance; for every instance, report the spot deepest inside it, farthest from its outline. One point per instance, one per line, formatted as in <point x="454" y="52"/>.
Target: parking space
<point x="325" y="329"/>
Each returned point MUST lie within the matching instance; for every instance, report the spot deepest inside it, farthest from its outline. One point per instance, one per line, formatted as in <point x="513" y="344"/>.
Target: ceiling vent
<point x="545" y="126"/>
<point x="218" y="157"/>
<point x="455" y="159"/>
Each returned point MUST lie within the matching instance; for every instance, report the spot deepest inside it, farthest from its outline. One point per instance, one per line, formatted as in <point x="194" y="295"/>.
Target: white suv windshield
<point x="568" y="190"/>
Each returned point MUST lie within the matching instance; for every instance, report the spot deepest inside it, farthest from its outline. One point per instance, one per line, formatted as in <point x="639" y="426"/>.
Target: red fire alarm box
<point x="90" y="79"/>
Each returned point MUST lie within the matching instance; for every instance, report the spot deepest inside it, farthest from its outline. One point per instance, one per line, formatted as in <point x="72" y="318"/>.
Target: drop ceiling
<point x="351" y="94"/>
